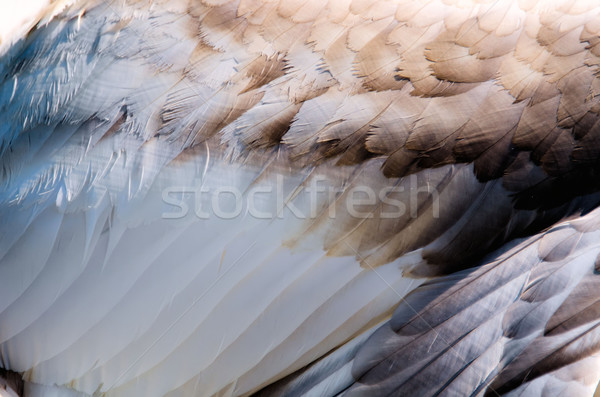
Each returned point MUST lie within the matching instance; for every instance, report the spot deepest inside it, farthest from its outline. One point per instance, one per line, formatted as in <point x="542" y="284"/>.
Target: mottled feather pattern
<point x="454" y="57"/>
<point x="481" y="118"/>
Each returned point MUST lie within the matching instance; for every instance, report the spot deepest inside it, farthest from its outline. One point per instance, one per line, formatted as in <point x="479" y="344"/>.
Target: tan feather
<point x="495" y="117"/>
<point x="262" y="70"/>
<point x="427" y="14"/>
<point x="561" y="43"/>
<point x="518" y="78"/>
<point x="223" y="35"/>
<point x="492" y="163"/>
<point x="529" y="51"/>
<point x="454" y="63"/>
<point x="535" y="123"/>
<point x="443" y="117"/>
<point x="324" y="34"/>
<point x="376" y="63"/>
<point x="492" y="46"/>
<point x="389" y="133"/>
<point x="256" y="11"/>
<point x="363" y="33"/>
<point x="283" y="33"/>
<point x="499" y="16"/>
<point x="352" y="121"/>
<point x="560" y="66"/>
<point x="378" y="10"/>
<point x="339" y="58"/>
<point x="411" y="38"/>
<point x="574" y="102"/>
<point x="265" y="124"/>
<point x="301" y="11"/>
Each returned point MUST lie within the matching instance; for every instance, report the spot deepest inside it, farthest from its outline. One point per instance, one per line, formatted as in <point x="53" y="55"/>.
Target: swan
<point x="300" y="197"/>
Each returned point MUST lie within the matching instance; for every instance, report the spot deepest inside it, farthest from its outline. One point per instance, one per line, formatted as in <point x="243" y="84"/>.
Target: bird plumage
<point x="473" y="125"/>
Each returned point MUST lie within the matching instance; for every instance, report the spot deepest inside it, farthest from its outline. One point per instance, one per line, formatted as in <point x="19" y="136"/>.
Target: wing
<point x="220" y="194"/>
<point x="523" y="322"/>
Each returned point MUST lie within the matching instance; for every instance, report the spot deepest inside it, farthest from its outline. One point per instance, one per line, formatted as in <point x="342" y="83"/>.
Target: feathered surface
<point x="176" y="179"/>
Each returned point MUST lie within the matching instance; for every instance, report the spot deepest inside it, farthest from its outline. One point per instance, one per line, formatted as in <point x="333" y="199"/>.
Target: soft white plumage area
<point x="17" y="18"/>
<point x="119" y="298"/>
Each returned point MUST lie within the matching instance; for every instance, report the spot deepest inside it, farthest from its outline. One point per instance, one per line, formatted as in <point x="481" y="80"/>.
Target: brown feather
<point x="454" y="63"/>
